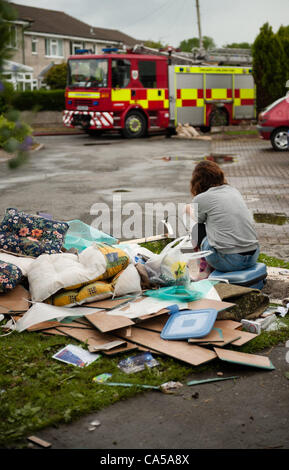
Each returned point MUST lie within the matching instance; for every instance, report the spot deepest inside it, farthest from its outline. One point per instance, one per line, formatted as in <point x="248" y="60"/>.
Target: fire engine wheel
<point x="279" y="139"/>
<point x="134" y="126"/>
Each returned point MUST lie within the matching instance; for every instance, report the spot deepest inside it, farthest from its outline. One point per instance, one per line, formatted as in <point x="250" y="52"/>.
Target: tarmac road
<point x="71" y="174"/>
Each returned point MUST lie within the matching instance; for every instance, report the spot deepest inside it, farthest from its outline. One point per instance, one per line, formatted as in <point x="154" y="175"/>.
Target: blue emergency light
<point x="83" y="51"/>
<point x="110" y="49"/>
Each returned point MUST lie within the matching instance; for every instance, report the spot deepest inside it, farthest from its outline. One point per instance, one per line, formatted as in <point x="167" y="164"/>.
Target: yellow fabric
<point x="64" y="298"/>
<point x="117" y="260"/>
<point x="95" y="291"/>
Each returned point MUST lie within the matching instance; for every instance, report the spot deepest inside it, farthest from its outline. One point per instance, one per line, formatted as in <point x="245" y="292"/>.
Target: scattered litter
<point x="186" y="131"/>
<point x="101" y="378"/>
<point x="93" y="425"/>
<point x="252" y="360"/>
<point x="276" y="325"/>
<point x="215" y="379"/>
<point x="282" y="310"/>
<point x="40" y="442"/>
<point x="256" y="326"/>
<point x="170" y="387"/>
<point x="75" y="355"/>
<point x="137" y="363"/>
<point x="195" y="395"/>
<point x="123" y="384"/>
<point x="220" y="373"/>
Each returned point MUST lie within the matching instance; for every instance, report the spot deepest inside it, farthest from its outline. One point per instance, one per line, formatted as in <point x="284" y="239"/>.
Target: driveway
<point x="73" y="173"/>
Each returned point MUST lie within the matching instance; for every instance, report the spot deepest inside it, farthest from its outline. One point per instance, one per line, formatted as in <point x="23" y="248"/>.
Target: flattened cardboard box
<point x="194" y="355"/>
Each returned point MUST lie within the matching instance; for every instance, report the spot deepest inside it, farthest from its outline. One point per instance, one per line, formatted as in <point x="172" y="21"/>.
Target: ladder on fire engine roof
<point x="224" y="56"/>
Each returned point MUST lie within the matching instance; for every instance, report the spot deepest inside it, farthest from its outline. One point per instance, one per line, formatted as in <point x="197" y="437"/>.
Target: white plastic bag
<point x="170" y="267"/>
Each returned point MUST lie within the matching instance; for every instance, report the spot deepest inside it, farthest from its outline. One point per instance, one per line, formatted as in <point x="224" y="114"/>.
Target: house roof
<point x="58" y="22"/>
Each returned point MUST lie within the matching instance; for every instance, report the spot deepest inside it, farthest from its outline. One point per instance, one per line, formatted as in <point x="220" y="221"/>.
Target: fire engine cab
<point x="134" y="93"/>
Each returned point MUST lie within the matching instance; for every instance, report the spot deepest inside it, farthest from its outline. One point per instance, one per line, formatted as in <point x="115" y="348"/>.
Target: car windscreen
<point x="89" y="73"/>
<point x="272" y="105"/>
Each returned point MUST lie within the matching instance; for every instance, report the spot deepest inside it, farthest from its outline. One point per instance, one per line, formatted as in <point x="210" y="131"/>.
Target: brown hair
<point x="206" y="175"/>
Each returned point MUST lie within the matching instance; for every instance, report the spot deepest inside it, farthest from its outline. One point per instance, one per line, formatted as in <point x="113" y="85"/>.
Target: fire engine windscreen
<point x="88" y="73"/>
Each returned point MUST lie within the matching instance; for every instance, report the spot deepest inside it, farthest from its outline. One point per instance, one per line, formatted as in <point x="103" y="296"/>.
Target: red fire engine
<point x="134" y="93"/>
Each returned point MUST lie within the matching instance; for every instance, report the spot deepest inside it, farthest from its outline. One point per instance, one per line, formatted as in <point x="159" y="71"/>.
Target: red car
<point x="273" y="123"/>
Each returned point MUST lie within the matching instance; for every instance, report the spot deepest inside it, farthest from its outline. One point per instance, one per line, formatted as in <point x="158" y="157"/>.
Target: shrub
<point x="6" y="96"/>
<point x="14" y="134"/>
<point x="56" y="76"/>
<point x="39" y="100"/>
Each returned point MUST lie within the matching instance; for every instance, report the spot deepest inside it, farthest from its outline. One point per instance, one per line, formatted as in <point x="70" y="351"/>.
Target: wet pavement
<point x="72" y="173"/>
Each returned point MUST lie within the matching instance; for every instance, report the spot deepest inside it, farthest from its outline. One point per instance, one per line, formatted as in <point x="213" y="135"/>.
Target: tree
<point x="268" y="66"/>
<point x="238" y="45"/>
<point x="15" y="135"/>
<point x="188" y="44"/>
<point x="7" y="13"/>
<point x="155" y="44"/>
<point x="283" y="34"/>
<point x="56" y="77"/>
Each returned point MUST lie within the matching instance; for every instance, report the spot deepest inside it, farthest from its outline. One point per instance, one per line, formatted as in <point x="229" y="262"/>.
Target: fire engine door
<point x="189" y="102"/>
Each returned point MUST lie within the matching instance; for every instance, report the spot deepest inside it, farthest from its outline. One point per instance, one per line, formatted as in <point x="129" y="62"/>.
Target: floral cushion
<point x="30" y="235"/>
<point x="10" y="276"/>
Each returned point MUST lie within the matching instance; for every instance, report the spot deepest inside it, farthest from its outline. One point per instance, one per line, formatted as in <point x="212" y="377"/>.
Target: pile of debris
<point x="85" y="285"/>
<point x="185" y="131"/>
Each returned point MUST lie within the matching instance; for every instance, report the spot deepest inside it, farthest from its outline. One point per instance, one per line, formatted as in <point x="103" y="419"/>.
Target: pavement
<point x="72" y="173"/>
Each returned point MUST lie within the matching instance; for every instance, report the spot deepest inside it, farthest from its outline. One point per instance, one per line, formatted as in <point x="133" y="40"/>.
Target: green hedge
<point x="39" y="100"/>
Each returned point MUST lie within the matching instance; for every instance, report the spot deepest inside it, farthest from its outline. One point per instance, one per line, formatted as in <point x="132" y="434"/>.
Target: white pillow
<point x="50" y="273"/>
<point x="128" y="282"/>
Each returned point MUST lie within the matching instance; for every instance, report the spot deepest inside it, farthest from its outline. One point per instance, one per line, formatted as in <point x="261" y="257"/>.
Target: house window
<point x="54" y="47"/>
<point x="13" y="37"/>
<point x="34" y="42"/>
<point x="74" y="46"/>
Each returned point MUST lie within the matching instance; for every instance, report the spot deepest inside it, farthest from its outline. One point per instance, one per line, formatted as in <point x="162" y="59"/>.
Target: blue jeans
<point x="229" y="262"/>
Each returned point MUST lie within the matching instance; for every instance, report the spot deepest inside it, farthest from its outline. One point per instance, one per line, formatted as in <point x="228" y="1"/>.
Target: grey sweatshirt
<point x="229" y="223"/>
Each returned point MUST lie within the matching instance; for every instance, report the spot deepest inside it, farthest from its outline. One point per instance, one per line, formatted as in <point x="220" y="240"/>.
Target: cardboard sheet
<point x="191" y="354"/>
<point x="209" y="303"/>
<point x="228" y="324"/>
<point x="145" y="306"/>
<point x="228" y="335"/>
<point x="245" y="337"/>
<point x="104" y="322"/>
<point x="121" y="349"/>
<point x="53" y="331"/>
<point x="215" y="336"/>
<point x="93" y="338"/>
<point x="252" y="360"/>
<point x="47" y="325"/>
<point x="154" y="324"/>
<point x="16" y="300"/>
